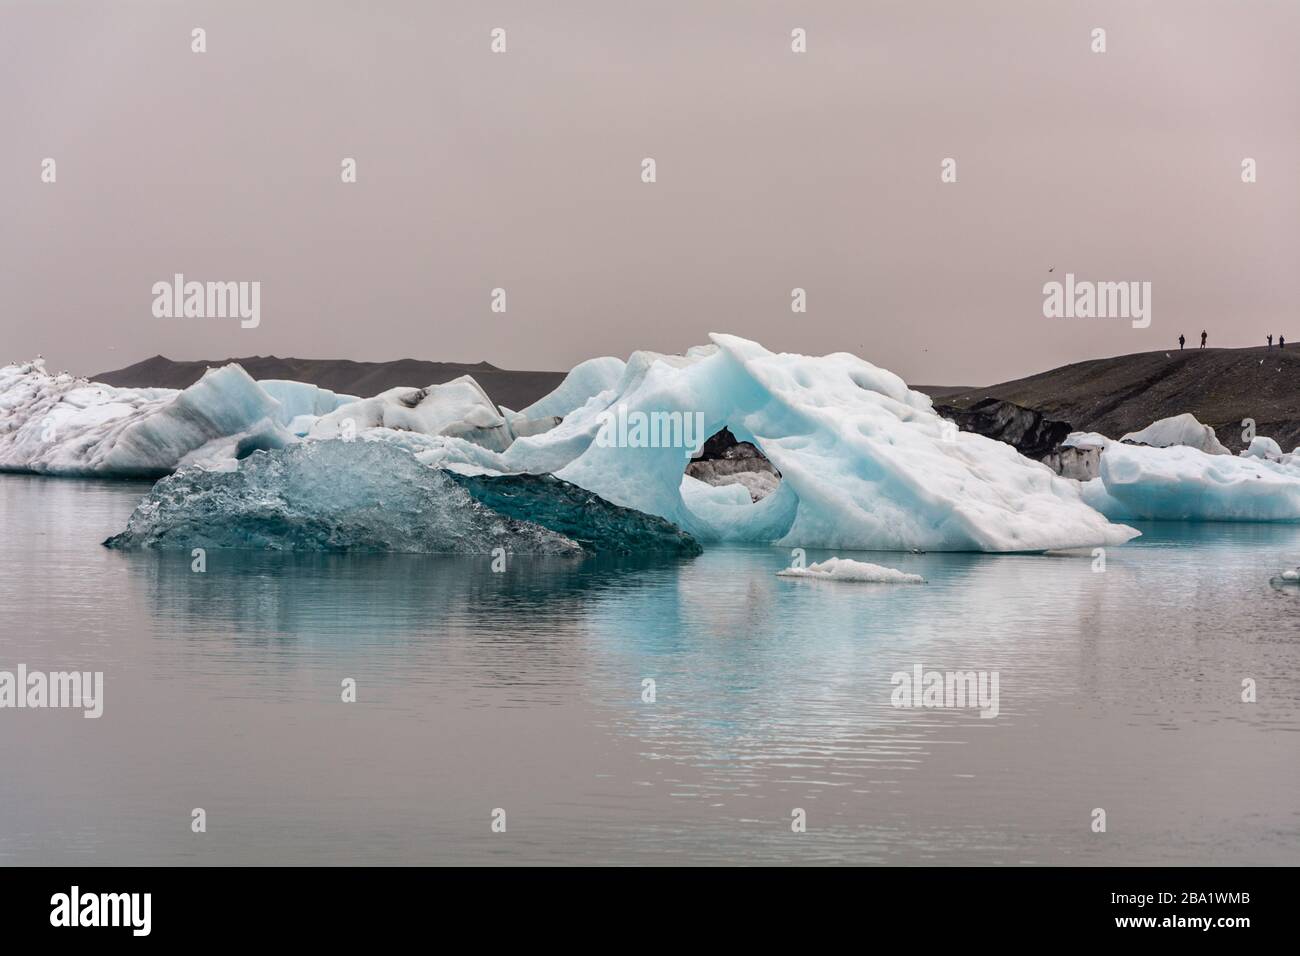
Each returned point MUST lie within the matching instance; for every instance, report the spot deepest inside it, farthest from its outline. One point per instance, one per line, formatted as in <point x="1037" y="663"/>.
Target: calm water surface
<point x="522" y="691"/>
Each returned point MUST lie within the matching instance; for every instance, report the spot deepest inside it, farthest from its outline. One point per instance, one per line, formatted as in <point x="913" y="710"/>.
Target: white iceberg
<point x="865" y="462"/>
<point x="1176" y="470"/>
<point x="457" y="408"/>
<point x="1266" y="448"/>
<point x="67" y="426"/>
<point x="1185" y="484"/>
<point x="63" y="425"/>
<point x="845" y="569"/>
<point x="1182" y="430"/>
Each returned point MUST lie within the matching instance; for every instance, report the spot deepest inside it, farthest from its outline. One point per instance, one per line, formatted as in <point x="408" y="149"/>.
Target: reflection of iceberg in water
<point x="339" y="599"/>
<point x="754" y="675"/>
<point x="769" y="695"/>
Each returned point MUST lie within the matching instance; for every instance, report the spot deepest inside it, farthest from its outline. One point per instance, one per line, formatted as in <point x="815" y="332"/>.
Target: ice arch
<point x="865" y="461"/>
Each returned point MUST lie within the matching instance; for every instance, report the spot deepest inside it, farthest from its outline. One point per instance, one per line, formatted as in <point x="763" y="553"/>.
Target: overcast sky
<point x="522" y="170"/>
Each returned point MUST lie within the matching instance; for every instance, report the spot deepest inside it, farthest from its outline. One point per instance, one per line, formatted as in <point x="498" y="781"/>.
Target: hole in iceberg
<point x="724" y="460"/>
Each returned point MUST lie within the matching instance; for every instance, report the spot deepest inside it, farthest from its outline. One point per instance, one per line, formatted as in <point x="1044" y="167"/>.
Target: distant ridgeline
<point x="1115" y="396"/>
<point x="510" y="388"/>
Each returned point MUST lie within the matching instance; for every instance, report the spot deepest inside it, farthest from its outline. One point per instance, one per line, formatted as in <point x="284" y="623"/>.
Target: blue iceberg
<point x="375" y="496"/>
<point x="328" y="496"/>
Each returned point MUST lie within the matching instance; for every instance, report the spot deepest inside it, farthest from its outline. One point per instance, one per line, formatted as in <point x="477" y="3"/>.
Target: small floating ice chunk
<point x="1287" y="577"/>
<point x="846" y="569"/>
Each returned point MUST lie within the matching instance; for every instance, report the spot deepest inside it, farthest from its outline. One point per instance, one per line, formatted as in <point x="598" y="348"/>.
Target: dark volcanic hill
<point x="1128" y="392"/>
<point x="512" y="389"/>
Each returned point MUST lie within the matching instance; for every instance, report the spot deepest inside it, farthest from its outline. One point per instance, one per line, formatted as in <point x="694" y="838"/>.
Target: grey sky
<point x="522" y="170"/>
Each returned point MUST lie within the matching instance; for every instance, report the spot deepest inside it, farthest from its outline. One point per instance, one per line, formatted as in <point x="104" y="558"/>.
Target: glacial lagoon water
<point x="523" y="691"/>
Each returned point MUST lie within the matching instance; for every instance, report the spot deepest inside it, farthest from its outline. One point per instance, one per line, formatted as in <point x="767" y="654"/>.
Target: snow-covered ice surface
<point x="328" y="496"/>
<point x="1178" y="430"/>
<point x="846" y="569"/>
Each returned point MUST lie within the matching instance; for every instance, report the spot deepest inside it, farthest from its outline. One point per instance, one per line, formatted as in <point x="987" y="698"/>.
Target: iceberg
<point x="328" y="496"/>
<point x="1185" y="484"/>
<point x="1182" y="430"/>
<point x="865" y="462"/>
<point x="63" y="425"/>
<point x="67" y="426"/>
<point x="845" y="569"/>
<point x="1266" y="448"/>
<point x="858" y="460"/>
<point x="457" y="408"/>
<point x="1180" y="472"/>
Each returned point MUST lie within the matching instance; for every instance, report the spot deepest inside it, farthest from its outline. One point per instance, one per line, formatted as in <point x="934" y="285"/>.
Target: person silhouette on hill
<point x="1202" y="338"/>
<point x="1281" y="341"/>
<point x="1181" y="341"/>
<point x="1270" y="340"/>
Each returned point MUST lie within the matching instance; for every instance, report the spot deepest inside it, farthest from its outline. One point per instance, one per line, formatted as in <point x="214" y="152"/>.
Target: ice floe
<point x="846" y="569"/>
